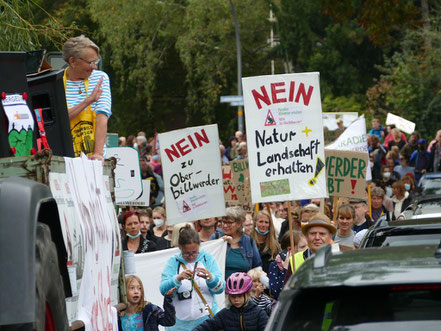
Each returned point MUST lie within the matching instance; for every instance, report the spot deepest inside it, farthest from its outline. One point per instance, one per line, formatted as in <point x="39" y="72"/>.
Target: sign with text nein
<point x="192" y="174"/>
<point x="346" y="173"/>
<point x="286" y="156"/>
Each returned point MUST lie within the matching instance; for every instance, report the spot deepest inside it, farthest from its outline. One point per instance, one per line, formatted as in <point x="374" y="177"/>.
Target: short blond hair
<point x="177" y="231"/>
<point x="255" y="273"/>
<point x="75" y="46"/>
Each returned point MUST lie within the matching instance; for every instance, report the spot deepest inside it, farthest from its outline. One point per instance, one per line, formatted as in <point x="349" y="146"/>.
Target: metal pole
<point x="272" y="39"/>
<point x="239" y="68"/>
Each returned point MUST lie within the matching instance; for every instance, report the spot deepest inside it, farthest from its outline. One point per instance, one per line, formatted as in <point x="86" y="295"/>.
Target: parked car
<point x="403" y="232"/>
<point x="389" y="288"/>
<point x="430" y="183"/>
<point x="423" y="207"/>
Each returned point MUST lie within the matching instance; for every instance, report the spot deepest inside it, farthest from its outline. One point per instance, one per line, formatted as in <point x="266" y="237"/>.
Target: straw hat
<point x="319" y="219"/>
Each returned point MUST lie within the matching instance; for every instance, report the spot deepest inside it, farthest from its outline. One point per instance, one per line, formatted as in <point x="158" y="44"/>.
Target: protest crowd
<point x="266" y="242"/>
<point x="260" y="258"/>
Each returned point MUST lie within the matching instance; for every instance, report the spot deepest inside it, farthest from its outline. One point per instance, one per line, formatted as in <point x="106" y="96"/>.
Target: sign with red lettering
<point x="283" y="116"/>
<point x="191" y="166"/>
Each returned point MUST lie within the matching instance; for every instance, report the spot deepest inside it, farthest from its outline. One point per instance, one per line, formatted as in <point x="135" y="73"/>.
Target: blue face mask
<point x="135" y="236"/>
<point x="261" y="233"/>
<point x="407" y="187"/>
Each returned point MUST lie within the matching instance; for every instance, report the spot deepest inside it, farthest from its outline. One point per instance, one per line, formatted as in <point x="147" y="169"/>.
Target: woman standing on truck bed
<point x="88" y="97"/>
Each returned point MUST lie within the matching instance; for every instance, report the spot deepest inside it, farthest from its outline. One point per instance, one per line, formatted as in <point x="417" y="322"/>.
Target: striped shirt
<point x="74" y="97"/>
<point x="263" y="302"/>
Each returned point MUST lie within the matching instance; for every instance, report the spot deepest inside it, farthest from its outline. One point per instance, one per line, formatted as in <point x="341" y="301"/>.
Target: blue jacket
<point x="169" y="280"/>
<point x="248" y="248"/>
<point x="152" y="315"/>
<point x="252" y="317"/>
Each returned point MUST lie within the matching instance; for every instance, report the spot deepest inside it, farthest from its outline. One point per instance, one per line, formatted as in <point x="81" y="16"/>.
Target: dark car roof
<point x="371" y="266"/>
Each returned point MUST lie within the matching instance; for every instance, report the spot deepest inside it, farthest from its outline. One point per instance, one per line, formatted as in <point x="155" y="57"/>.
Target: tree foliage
<point x="22" y="31"/>
<point x="340" y="50"/>
<point x="208" y="51"/>
<point x="411" y="81"/>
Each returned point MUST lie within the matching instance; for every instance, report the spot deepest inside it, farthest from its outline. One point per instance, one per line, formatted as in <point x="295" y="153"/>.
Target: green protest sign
<point x="346" y="173"/>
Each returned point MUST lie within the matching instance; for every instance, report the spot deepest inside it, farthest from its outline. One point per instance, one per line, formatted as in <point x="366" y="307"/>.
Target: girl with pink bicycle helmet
<point x="243" y="314"/>
<point x="239" y="283"/>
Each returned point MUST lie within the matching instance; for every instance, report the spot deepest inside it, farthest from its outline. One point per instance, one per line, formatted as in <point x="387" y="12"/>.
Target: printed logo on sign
<point x="185" y="207"/>
<point x="270" y="119"/>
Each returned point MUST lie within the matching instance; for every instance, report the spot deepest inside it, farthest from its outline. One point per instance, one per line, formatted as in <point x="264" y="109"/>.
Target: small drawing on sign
<point x="270" y="119"/>
<point x="185" y="207"/>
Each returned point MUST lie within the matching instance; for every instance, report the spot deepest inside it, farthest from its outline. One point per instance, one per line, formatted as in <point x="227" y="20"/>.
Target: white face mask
<point x="386" y="175"/>
<point x="158" y="222"/>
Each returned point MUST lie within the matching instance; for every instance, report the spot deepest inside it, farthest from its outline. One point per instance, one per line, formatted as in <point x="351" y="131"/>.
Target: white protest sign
<point x="400" y="123"/>
<point x="354" y="138"/>
<point x="128" y="185"/>
<point x="286" y="156"/>
<point x="192" y="172"/>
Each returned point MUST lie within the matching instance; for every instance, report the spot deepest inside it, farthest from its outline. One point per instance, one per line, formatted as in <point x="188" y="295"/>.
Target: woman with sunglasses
<point x="88" y="97"/>
<point x="198" y="278"/>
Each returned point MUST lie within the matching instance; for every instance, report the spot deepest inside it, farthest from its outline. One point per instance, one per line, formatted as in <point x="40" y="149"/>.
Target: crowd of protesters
<point x="259" y="251"/>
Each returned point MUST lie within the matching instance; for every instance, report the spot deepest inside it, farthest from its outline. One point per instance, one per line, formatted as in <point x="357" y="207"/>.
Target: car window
<point x="330" y="308"/>
<point x="428" y="207"/>
<point x="408" y="240"/>
<point x="431" y="186"/>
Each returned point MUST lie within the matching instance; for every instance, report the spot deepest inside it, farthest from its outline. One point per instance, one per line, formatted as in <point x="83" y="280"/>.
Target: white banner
<point x="98" y="223"/>
<point x="149" y="268"/>
<point x="354" y="138"/>
<point x="285" y="137"/>
<point x="128" y="185"/>
<point x="330" y="119"/>
<point x="192" y="172"/>
<point x="400" y="123"/>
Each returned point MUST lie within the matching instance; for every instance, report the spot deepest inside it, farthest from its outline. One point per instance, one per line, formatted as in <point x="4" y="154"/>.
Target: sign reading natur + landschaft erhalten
<point x="283" y="116"/>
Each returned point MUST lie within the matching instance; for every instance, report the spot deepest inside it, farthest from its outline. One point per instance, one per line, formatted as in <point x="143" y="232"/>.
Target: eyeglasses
<point x="189" y="254"/>
<point x="92" y="63"/>
<point x="225" y="223"/>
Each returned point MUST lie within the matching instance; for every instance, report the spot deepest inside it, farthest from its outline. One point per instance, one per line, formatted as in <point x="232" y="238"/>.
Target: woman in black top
<point x="134" y="240"/>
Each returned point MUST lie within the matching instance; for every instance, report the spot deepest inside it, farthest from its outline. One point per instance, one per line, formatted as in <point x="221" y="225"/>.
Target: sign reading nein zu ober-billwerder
<point x="192" y="172"/>
<point x="285" y="137"/>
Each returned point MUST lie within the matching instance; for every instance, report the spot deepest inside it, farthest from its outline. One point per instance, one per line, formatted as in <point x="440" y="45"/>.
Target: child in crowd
<point x="141" y="315"/>
<point x="257" y="295"/>
<point x="243" y="314"/>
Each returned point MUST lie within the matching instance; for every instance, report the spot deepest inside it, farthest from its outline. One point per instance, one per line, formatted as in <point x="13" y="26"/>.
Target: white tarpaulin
<point x="285" y="137"/>
<point x="90" y="197"/>
<point x="149" y="266"/>
<point x="192" y="172"/>
<point x="354" y="138"/>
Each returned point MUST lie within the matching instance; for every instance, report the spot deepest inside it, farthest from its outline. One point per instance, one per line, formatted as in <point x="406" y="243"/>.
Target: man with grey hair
<point x="88" y="97"/>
